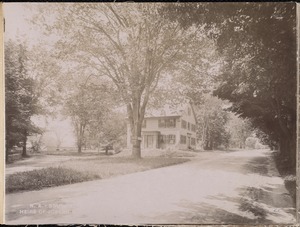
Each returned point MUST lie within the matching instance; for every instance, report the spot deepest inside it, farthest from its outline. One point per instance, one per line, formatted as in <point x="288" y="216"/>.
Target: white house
<point x="171" y="126"/>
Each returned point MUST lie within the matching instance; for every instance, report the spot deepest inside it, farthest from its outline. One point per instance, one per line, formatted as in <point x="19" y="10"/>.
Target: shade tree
<point x="258" y="43"/>
<point x="131" y="44"/>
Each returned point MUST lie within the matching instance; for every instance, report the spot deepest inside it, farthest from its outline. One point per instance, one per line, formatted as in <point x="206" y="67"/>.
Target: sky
<point x="15" y="15"/>
<point x="18" y="26"/>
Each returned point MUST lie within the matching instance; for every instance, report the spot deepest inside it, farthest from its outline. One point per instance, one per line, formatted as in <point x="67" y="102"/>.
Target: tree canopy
<point x="258" y="45"/>
<point x="131" y="44"/>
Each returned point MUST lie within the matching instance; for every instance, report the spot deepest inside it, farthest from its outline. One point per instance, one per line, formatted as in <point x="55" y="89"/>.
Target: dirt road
<point x="241" y="187"/>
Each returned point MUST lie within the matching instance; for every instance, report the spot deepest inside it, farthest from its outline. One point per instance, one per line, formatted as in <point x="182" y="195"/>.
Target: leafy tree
<point x="251" y="142"/>
<point x="212" y="119"/>
<point x="258" y="43"/>
<point x="21" y="102"/>
<point x="111" y="129"/>
<point x="86" y="104"/>
<point x="239" y="130"/>
<point x="131" y="44"/>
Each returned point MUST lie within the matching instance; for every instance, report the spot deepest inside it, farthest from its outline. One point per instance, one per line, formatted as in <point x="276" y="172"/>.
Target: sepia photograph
<point x="150" y="113"/>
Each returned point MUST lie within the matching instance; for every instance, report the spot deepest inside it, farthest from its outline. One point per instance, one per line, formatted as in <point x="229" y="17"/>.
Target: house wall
<point x="152" y="125"/>
<point x="189" y="118"/>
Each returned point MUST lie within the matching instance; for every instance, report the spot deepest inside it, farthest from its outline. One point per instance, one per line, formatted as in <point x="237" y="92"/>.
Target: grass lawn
<point x="106" y="167"/>
<point x="43" y="178"/>
<point x="79" y="170"/>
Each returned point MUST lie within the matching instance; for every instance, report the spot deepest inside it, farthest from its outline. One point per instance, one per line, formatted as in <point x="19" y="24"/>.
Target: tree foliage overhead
<point x="258" y="43"/>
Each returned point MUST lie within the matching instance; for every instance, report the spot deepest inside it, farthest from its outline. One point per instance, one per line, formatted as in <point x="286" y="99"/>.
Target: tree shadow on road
<point x="251" y="206"/>
<point x="267" y="202"/>
<point x="201" y="213"/>
<point x="258" y="165"/>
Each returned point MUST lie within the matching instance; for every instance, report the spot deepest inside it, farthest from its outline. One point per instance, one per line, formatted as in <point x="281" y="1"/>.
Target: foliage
<point x="47" y="177"/>
<point x="87" y="104"/>
<point x="251" y="142"/>
<point x="132" y="45"/>
<point x="212" y="119"/>
<point x="258" y="45"/>
<point x="46" y="71"/>
<point x="21" y="102"/>
<point x="260" y="77"/>
<point x="239" y="130"/>
<point x="110" y="129"/>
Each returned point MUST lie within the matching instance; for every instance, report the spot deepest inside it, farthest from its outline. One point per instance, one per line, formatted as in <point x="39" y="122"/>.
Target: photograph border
<point x="2" y="129"/>
<point x="298" y="116"/>
<point x="2" y="117"/>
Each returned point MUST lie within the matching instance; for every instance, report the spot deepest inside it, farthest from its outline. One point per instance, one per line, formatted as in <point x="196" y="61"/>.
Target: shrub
<point x="47" y="177"/>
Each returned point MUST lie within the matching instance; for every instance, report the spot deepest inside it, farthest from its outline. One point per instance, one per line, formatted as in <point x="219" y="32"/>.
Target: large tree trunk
<point x="136" y="116"/>
<point x="24" y="152"/>
<point x="136" y="142"/>
<point x="136" y="138"/>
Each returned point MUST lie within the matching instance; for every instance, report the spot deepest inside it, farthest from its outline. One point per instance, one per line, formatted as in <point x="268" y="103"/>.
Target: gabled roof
<point x="169" y="110"/>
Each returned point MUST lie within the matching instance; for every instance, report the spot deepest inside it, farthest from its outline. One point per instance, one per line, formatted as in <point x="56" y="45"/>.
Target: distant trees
<point x="239" y="130"/>
<point x="21" y="102"/>
<point x="86" y="104"/>
<point x="212" y="119"/>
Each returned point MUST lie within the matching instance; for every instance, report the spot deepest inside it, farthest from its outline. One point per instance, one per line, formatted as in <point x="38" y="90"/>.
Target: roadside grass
<point x="43" y="178"/>
<point x="115" y="166"/>
<point x="290" y="184"/>
<point x="75" y="153"/>
<point x="288" y="175"/>
<point x="79" y="170"/>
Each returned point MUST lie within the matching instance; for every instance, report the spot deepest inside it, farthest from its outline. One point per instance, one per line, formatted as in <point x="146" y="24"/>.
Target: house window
<point x="189" y="127"/>
<point x="193" y="128"/>
<point x="183" y="124"/>
<point x="189" y="111"/>
<point x="144" y="125"/>
<point x="167" y="123"/>
<point x="182" y="139"/>
<point x="168" y="139"/>
<point x="193" y="141"/>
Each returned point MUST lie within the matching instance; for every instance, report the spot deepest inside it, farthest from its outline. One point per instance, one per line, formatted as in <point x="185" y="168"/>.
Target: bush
<point x="43" y="178"/>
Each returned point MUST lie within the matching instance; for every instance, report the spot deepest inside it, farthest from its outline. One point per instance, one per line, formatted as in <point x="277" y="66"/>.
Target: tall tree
<point x="21" y="102"/>
<point x="130" y="43"/>
<point x="258" y="43"/>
